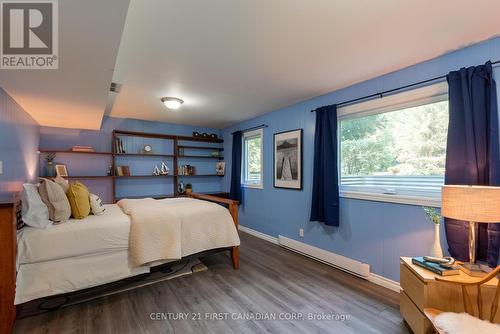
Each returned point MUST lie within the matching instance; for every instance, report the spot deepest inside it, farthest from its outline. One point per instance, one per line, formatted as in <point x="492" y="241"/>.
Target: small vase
<point x="50" y="170"/>
<point x="436" y="250"/>
<point x="189" y="191"/>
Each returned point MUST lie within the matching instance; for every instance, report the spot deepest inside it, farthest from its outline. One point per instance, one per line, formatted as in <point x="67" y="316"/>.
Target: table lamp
<point x="473" y="204"/>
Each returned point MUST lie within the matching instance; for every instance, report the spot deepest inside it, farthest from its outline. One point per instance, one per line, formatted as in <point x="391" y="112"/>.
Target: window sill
<point x="398" y="199"/>
<point x="253" y="186"/>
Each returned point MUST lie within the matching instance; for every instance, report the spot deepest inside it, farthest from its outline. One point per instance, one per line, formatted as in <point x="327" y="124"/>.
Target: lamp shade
<point x="480" y="204"/>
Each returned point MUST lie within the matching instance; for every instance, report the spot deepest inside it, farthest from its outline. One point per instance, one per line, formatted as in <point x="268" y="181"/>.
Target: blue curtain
<point x="235" y="192"/>
<point x="472" y="156"/>
<point x="325" y="194"/>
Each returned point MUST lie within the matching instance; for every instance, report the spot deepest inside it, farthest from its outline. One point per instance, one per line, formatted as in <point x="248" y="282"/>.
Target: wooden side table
<point x="420" y="290"/>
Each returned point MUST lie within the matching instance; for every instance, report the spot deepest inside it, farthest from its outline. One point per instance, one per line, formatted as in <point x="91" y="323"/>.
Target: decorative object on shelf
<point x="147" y="149"/>
<point x="215" y="154"/>
<point x="220" y="168"/>
<point x="205" y="135"/>
<point x="196" y="134"/>
<point x="189" y="188"/>
<point x="164" y="169"/>
<point x="49" y="166"/>
<point x="288" y="159"/>
<point x="119" y="146"/>
<point x="434" y="217"/>
<point x="473" y="204"/>
<point x="61" y="170"/>
<point x="110" y="171"/>
<point x="156" y="171"/>
<point x="82" y="148"/>
<point x="214" y="136"/>
<point x="186" y="170"/>
<point x="181" y="188"/>
<point x="126" y="170"/>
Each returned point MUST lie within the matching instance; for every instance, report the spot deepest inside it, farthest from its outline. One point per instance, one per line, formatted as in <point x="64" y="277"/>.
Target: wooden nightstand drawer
<point x="417" y="321"/>
<point x="414" y="288"/>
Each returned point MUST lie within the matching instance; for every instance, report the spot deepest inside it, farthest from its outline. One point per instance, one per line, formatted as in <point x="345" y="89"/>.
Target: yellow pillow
<point x="79" y="200"/>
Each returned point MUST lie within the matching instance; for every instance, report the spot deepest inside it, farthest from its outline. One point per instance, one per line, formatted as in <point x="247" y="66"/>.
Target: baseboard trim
<point x="374" y="278"/>
<point x="385" y="282"/>
<point x="258" y="234"/>
<point x="341" y="262"/>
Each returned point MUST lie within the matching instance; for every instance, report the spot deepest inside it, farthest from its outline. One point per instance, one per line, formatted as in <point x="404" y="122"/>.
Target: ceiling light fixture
<point x="172" y="102"/>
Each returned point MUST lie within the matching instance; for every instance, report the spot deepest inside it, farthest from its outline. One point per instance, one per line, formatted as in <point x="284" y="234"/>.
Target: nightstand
<point x="420" y="290"/>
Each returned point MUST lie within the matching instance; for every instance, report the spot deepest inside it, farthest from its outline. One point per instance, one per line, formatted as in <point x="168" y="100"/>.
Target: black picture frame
<point x="297" y="183"/>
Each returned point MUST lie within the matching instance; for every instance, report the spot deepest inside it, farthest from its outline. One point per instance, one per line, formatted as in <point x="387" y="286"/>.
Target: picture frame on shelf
<point x="288" y="159"/>
<point x="61" y="170"/>
<point x="220" y="168"/>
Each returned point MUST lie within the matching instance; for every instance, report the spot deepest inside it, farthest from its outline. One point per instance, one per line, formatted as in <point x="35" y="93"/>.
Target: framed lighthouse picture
<point x="288" y="159"/>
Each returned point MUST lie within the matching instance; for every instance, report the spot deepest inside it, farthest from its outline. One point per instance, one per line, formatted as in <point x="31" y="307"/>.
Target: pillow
<point x="56" y="201"/>
<point x="35" y="213"/>
<point x="62" y="182"/>
<point x="96" y="205"/>
<point x="79" y="200"/>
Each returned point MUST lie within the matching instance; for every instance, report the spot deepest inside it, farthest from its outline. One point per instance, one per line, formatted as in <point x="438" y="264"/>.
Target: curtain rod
<point x="252" y="128"/>
<point x="381" y="94"/>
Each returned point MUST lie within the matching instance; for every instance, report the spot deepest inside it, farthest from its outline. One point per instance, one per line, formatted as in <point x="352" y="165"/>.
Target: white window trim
<point x="423" y="95"/>
<point x="259" y="185"/>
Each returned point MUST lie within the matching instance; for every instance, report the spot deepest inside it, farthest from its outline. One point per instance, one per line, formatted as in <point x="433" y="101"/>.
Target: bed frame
<point x="49" y="303"/>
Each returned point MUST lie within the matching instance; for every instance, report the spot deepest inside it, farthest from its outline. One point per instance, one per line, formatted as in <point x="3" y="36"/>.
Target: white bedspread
<point x="167" y="229"/>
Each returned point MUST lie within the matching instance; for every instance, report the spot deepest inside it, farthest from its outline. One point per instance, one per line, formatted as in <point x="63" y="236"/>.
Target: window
<point x="252" y="159"/>
<point x="396" y="151"/>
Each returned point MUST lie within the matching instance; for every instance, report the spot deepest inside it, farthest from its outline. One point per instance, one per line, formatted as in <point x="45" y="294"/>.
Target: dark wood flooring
<point x="272" y="281"/>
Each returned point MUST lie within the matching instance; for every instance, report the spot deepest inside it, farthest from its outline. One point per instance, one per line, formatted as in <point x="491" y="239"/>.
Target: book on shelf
<point x="125" y="170"/>
<point x="80" y="148"/>
<point x="119" y="146"/>
<point x="119" y="171"/>
<point x="434" y="267"/>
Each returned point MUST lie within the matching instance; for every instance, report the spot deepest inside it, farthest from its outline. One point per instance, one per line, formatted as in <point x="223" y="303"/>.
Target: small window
<point x="252" y="171"/>
<point x="397" y="151"/>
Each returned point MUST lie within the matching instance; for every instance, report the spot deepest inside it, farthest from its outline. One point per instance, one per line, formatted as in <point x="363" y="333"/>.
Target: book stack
<point x="119" y="146"/>
<point x="434" y="267"/>
<point x="81" y="148"/>
<point x="186" y="170"/>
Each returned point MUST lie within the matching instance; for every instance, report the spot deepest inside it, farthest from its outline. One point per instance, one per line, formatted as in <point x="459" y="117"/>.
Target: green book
<point x="434" y="267"/>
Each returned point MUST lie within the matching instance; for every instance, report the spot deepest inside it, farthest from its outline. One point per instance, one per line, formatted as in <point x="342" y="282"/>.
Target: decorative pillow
<point x="56" y="201"/>
<point x="35" y="212"/>
<point x="62" y="182"/>
<point x="96" y="205"/>
<point x="79" y="200"/>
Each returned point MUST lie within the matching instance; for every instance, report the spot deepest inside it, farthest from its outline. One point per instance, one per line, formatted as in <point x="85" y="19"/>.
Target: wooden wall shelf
<point x="73" y="152"/>
<point x="142" y="155"/>
<point x="202" y="148"/>
<point x="200" y="157"/>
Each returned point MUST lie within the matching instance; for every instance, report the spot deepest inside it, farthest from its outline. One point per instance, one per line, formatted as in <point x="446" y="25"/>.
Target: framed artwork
<point x="220" y="168"/>
<point x="61" y="170"/>
<point x="288" y="159"/>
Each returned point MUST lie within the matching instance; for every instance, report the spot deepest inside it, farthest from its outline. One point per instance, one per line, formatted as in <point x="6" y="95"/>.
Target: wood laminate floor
<point x="271" y="282"/>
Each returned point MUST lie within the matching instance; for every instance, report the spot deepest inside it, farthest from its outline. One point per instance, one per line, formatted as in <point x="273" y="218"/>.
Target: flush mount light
<point x="172" y="102"/>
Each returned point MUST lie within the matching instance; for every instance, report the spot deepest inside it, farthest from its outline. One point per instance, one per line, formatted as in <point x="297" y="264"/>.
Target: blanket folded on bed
<point x="155" y="231"/>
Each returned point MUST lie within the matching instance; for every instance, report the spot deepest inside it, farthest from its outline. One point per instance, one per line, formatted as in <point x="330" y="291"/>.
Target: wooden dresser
<point x="420" y="290"/>
<point x="8" y="235"/>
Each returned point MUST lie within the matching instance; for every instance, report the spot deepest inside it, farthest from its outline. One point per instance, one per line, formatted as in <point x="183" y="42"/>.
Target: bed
<point x="93" y="251"/>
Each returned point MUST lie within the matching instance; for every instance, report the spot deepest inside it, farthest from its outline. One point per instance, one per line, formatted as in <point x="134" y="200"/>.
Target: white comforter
<point x="204" y="226"/>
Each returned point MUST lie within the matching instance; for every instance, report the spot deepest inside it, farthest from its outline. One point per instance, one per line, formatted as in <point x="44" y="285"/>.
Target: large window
<point x="252" y="175"/>
<point x="399" y="151"/>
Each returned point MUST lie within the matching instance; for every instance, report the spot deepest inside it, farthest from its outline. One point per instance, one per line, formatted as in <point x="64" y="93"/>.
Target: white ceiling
<point x="75" y="95"/>
<point x="233" y="60"/>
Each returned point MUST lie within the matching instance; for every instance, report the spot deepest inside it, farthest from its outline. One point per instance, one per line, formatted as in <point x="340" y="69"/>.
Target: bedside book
<point x="434" y="267"/>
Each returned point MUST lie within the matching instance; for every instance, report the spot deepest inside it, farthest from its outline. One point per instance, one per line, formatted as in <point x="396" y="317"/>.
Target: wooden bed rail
<point x="233" y="210"/>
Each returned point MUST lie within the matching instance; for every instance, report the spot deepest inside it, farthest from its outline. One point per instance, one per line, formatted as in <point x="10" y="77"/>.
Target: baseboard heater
<point x="351" y="266"/>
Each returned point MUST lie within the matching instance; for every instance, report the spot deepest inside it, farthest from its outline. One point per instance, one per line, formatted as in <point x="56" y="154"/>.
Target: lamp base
<point x="475" y="269"/>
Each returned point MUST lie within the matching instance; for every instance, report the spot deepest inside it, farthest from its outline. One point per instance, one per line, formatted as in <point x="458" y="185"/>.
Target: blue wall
<point x="64" y="139"/>
<point x="18" y="146"/>
<point x="373" y="232"/>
